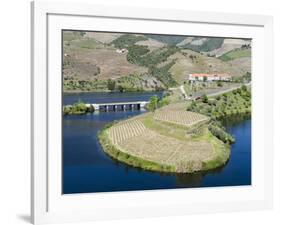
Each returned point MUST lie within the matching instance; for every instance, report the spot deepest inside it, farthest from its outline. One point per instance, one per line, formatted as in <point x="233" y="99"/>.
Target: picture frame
<point x="48" y="205"/>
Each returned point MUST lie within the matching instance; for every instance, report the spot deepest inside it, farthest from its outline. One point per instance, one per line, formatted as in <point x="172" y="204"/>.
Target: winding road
<point x="209" y="92"/>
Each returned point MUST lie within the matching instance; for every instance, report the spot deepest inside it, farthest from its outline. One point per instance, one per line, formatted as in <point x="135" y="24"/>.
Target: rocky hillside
<point x="98" y="61"/>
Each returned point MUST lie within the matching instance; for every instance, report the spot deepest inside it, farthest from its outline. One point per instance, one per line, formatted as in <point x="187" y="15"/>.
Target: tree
<point x="192" y="106"/>
<point x="204" y="79"/>
<point x="205" y="98"/>
<point x="120" y="88"/>
<point x="244" y="88"/>
<point x="153" y="103"/>
<point x="111" y="84"/>
<point x="163" y="102"/>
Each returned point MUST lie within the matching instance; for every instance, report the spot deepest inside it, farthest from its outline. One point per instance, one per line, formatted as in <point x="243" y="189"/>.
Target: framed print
<point x="149" y="112"/>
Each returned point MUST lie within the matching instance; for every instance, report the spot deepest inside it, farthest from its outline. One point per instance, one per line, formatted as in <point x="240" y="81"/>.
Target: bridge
<point x="117" y="106"/>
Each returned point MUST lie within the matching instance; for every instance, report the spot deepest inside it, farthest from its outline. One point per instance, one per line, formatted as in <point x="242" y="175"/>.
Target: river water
<point x="86" y="168"/>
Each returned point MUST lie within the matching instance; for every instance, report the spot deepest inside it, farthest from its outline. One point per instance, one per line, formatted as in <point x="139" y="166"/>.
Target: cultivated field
<point x="133" y="138"/>
<point x="168" y="151"/>
<point x="180" y="117"/>
<point x="126" y="130"/>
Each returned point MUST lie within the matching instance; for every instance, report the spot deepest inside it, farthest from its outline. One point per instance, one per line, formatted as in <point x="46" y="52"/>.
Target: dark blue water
<point x="86" y="168"/>
<point x="104" y="97"/>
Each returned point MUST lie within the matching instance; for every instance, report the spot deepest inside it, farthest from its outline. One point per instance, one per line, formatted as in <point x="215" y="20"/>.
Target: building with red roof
<point x="209" y="77"/>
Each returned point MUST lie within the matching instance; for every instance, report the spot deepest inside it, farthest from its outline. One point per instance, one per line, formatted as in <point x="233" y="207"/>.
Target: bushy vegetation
<point x="220" y="133"/>
<point x="76" y="109"/>
<point x="232" y="103"/>
<point x="159" y="56"/>
<point x="84" y="85"/>
<point x="227" y="105"/>
<point x="130" y="83"/>
<point x="140" y="55"/>
<point x="209" y="45"/>
<point x="127" y="40"/>
<point x="135" y="53"/>
<point x="155" y="102"/>
<point x="235" y="54"/>
<point x="111" y="84"/>
<point x="163" y="74"/>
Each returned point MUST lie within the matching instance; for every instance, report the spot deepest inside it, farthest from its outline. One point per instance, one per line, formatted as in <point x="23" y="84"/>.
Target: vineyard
<point x="157" y="148"/>
<point x="134" y="139"/>
<point x="180" y="117"/>
<point x="126" y="130"/>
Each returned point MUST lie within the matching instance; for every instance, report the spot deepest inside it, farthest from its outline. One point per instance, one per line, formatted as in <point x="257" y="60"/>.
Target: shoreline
<point x="137" y="162"/>
<point x="219" y="156"/>
<point x="113" y="92"/>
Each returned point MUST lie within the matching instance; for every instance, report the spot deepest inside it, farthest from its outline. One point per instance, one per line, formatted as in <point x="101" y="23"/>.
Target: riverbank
<point x="128" y="159"/>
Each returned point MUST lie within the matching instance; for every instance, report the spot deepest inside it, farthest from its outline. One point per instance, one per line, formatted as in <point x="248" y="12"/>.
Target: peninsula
<point x="170" y="139"/>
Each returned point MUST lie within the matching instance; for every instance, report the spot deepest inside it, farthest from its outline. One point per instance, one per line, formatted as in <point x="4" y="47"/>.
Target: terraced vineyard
<point x="135" y="142"/>
<point x="183" y="156"/>
<point x="126" y="130"/>
<point x="133" y="138"/>
<point x="180" y="117"/>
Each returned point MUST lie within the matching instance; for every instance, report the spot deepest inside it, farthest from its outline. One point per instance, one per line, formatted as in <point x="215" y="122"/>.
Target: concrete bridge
<point x="117" y="106"/>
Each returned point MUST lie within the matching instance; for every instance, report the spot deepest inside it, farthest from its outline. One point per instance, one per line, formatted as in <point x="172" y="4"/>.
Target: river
<point x="86" y="168"/>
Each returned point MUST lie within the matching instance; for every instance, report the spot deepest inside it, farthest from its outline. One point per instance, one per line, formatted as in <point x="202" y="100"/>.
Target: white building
<point x="208" y="77"/>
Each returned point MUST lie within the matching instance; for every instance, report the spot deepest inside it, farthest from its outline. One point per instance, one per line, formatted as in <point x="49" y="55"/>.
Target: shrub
<point x="111" y="85"/>
<point x="221" y="134"/>
<point x="153" y="103"/>
<point x="205" y="98"/>
<point x="79" y="108"/>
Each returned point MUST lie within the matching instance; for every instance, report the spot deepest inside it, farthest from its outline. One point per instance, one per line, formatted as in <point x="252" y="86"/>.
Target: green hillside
<point x="167" y="39"/>
<point x="93" y="62"/>
<point x="236" y="54"/>
<point x="127" y="40"/>
<point x="207" y="46"/>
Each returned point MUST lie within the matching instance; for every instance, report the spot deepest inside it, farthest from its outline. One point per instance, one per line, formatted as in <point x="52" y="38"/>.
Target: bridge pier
<point x="117" y="106"/>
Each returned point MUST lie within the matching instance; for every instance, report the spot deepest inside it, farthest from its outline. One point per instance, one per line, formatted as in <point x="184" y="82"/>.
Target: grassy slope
<point x="235" y="54"/>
